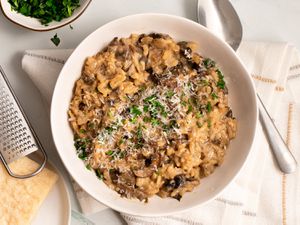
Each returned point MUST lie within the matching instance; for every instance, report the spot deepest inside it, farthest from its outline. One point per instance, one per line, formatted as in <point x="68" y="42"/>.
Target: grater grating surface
<point x="17" y="138"/>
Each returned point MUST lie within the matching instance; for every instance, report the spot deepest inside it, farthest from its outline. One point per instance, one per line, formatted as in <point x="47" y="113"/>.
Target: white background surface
<point x="267" y="20"/>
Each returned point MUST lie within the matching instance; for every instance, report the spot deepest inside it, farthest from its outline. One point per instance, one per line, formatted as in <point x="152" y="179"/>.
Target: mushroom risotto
<point x="150" y="116"/>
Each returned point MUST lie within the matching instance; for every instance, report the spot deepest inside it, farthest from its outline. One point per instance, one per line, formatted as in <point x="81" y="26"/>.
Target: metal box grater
<point x="17" y="137"/>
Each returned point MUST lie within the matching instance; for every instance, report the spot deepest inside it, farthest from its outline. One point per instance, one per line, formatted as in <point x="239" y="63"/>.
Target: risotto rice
<point x="150" y="116"/>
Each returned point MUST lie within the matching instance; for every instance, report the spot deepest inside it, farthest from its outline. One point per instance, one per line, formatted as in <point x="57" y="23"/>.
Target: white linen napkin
<point x="261" y="194"/>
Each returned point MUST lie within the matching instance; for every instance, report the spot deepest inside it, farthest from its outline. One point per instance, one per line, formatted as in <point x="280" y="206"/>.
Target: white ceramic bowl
<point x="241" y="95"/>
<point x="33" y="23"/>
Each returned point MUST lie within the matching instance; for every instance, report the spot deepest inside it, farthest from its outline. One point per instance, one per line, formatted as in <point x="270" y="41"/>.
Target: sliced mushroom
<point x="169" y="185"/>
<point x="88" y="78"/>
<point x="81" y="106"/>
<point x="114" y="42"/>
<point x="154" y="77"/>
<point x="225" y="90"/>
<point x="177" y="182"/>
<point x="148" y="162"/>
<point x="216" y="141"/>
<point x="131" y="192"/>
<point x="178" y="197"/>
<point x="148" y="166"/>
<point x="127" y="178"/>
<point x="156" y="35"/>
<point x="185" y="51"/>
<point x="141" y="37"/>
<point x="229" y="113"/>
<point x="114" y="174"/>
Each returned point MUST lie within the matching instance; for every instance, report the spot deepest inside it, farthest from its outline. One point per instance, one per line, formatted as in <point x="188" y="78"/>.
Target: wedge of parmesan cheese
<point x="21" y="199"/>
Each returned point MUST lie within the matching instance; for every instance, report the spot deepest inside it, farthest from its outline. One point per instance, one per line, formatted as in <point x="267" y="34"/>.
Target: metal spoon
<point x="220" y="17"/>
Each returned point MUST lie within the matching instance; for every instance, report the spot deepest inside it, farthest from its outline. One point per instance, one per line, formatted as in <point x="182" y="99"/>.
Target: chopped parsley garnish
<point x="157" y="104"/>
<point x="99" y="174"/>
<point x="133" y="120"/>
<point x="209" y="123"/>
<point x="221" y="82"/>
<point x="82" y="155"/>
<point x="208" y="63"/>
<point x="165" y="127"/>
<point x="122" y="154"/>
<point x="113" y="127"/>
<point x="183" y="103"/>
<point x="190" y="109"/>
<point x="81" y="145"/>
<point x="147" y="119"/>
<point x="198" y="115"/>
<point x="55" y="40"/>
<point x="91" y="125"/>
<point x="173" y="124"/>
<point x="170" y="94"/>
<point x="214" y="96"/>
<point x="199" y="125"/>
<point x="134" y="111"/>
<point x="88" y="166"/>
<point x="109" y="130"/>
<point x="115" y="154"/>
<point x="153" y="112"/>
<point x="154" y="107"/>
<point x="150" y="99"/>
<point x="208" y="107"/>
<point x="82" y="131"/>
<point x="204" y="82"/>
<point x="71" y="27"/>
<point x="45" y="10"/>
<point x="143" y="88"/>
<point x="155" y="122"/>
<point x="139" y="132"/>
<point x="146" y="108"/>
<point x="139" y="137"/>
<point x="164" y="113"/>
<point x="109" y="152"/>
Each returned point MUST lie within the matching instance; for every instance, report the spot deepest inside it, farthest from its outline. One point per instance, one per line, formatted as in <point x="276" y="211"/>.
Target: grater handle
<point x="38" y="170"/>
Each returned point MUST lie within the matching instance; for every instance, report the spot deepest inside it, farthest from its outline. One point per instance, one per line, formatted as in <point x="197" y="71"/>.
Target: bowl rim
<point x="253" y="133"/>
<point x="62" y="24"/>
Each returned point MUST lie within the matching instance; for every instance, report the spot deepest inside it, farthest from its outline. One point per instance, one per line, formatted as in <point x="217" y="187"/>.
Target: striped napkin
<point x="261" y="194"/>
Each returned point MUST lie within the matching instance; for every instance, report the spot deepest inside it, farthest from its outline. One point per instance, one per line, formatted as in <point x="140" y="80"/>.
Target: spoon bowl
<point x="220" y="17"/>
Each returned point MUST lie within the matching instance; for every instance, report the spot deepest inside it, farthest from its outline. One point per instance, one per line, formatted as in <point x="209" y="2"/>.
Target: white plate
<point x="241" y="96"/>
<point x="33" y="23"/>
<point x="56" y="209"/>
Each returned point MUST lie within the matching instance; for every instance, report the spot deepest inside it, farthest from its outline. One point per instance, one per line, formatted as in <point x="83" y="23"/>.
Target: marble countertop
<point x="268" y="20"/>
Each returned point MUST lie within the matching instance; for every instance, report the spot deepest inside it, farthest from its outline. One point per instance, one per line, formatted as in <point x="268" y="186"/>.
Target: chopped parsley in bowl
<point x="45" y="10"/>
<point x="43" y="15"/>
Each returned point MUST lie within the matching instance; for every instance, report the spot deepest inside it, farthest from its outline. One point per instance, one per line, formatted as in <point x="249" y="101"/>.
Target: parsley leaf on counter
<point x="55" y="40"/>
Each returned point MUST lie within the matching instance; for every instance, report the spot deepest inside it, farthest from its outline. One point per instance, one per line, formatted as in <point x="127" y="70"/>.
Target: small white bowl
<point x="241" y="96"/>
<point x="33" y="23"/>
